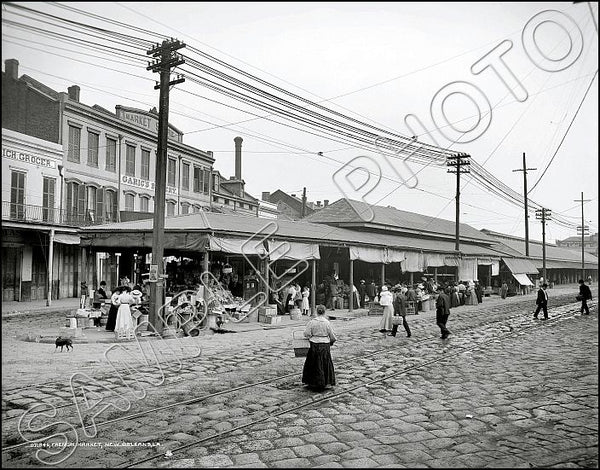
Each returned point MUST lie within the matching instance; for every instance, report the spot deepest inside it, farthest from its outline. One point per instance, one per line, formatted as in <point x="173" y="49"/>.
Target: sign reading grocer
<point x="26" y="157"/>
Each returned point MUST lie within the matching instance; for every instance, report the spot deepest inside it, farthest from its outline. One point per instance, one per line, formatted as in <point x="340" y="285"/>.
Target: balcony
<point x="29" y="213"/>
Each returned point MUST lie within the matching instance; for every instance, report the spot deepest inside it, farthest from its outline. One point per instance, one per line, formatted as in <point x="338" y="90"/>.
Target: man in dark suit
<point x="586" y="294"/>
<point x="542" y="302"/>
<point x="442" y="312"/>
<point x="400" y="310"/>
<point x="362" y="292"/>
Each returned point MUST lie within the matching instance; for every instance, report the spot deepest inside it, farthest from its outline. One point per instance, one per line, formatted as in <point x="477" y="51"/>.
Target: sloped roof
<point x="351" y="213"/>
<point x="292" y="201"/>
<point x="139" y="233"/>
<point x="39" y="86"/>
<point x="553" y="252"/>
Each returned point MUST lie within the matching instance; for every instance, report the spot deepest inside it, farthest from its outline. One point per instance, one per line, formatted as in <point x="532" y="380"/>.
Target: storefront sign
<point x="147" y="122"/>
<point x="28" y="158"/>
<point x="153" y="277"/>
<point x="145" y="184"/>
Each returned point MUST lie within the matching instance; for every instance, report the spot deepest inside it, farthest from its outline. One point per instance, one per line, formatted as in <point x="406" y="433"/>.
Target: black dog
<point x="62" y="342"/>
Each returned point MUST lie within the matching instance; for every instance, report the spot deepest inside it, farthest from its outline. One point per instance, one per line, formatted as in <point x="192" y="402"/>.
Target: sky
<point x="449" y="64"/>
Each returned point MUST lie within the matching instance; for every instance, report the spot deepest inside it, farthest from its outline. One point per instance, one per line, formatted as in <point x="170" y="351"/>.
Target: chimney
<point x="325" y="202"/>
<point x="238" y="158"/>
<point x="11" y="67"/>
<point x="318" y="203"/>
<point x="265" y="196"/>
<point x="74" y="92"/>
<point x="293" y="195"/>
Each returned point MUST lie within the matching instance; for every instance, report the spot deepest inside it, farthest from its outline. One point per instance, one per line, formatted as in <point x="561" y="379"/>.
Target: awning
<point x="433" y="260"/>
<point x="484" y="261"/>
<point x="395" y="256"/>
<point x="414" y="262"/>
<point x="67" y="238"/>
<point x="451" y="261"/>
<point x="239" y="246"/>
<point x="293" y="250"/>
<point x="520" y="265"/>
<point x="368" y="254"/>
<point x="523" y="279"/>
<point x="467" y="270"/>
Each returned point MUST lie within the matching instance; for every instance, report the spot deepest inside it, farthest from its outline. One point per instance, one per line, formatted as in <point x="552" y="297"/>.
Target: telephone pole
<point x="524" y="170"/>
<point x="543" y="215"/>
<point x="303" y="213"/>
<point x="457" y="162"/>
<point x="165" y="59"/>
<point x="584" y="229"/>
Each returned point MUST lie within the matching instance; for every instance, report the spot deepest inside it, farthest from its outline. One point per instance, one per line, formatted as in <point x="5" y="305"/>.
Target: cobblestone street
<point x="504" y="390"/>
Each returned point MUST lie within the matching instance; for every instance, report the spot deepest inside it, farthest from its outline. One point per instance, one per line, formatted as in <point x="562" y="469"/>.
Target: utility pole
<point x="584" y="229"/>
<point x="458" y="161"/>
<point x="543" y="215"/>
<point x="524" y="170"/>
<point x="303" y="213"/>
<point x="165" y="59"/>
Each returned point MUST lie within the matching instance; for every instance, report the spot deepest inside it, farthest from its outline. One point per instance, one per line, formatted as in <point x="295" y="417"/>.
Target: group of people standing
<point x="120" y="319"/>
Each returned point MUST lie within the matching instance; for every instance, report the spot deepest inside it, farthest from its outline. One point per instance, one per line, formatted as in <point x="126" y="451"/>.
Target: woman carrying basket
<point x="318" y="369"/>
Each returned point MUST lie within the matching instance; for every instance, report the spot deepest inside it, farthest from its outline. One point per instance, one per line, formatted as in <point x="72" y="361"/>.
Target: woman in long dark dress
<point x="114" y="308"/>
<point x="318" y="369"/>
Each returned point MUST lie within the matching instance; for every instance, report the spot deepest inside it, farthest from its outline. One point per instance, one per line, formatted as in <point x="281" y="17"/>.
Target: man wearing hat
<point x="542" y="302"/>
<point x="362" y="292"/>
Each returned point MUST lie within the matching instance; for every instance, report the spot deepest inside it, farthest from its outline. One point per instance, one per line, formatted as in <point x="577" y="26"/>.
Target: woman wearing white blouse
<point x="318" y="371"/>
<point x="386" y="300"/>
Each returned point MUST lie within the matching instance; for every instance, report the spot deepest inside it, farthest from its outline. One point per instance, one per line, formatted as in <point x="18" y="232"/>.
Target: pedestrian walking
<point x="386" y="301"/>
<point x="371" y="293"/>
<point x="305" y="303"/>
<point x="442" y="312"/>
<point x="542" y="302"/>
<point x="318" y="371"/>
<point x="504" y="290"/>
<point x="114" y="308"/>
<point x="400" y="311"/>
<point x="585" y="294"/>
<point x="362" y="292"/>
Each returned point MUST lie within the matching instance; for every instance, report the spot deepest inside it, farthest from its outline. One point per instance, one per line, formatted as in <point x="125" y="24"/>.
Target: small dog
<point x="62" y="342"/>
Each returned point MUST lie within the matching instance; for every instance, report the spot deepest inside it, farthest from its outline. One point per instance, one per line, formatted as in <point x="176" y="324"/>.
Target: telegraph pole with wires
<point x="543" y="215"/>
<point x="303" y="213"/>
<point x="524" y="170"/>
<point x="584" y="230"/>
<point x="457" y="162"/>
<point x="165" y="58"/>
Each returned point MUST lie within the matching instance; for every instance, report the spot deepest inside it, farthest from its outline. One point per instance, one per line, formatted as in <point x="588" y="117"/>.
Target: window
<point x="171" y="171"/>
<point x="110" y="206"/>
<point x="185" y="176"/>
<point x="206" y="181"/>
<point x="130" y="160"/>
<point x="90" y="213"/>
<point x="144" y="203"/>
<point x="145" y="164"/>
<point x="170" y="208"/>
<point x="226" y="202"/>
<point x="185" y="208"/>
<point x="215" y="183"/>
<point x="111" y="154"/>
<point x="17" y="195"/>
<point x="73" y="154"/>
<point x="129" y="202"/>
<point x="197" y="209"/>
<point x="75" y="202"/>
<point x="197" y="179"/>
<point x="93" y="141"/>
<point x="49" y="186"/>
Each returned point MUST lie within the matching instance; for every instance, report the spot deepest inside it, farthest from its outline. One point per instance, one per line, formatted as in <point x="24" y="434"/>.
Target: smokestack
<point x="238" y="158"/>
<point x="11" y="67"/>
<point x="74" y="92"/>
<point x="266" y="196"/>
<point x="325" y="202"/>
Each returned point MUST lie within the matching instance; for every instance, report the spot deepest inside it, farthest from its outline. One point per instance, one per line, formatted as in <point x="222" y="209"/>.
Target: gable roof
<point x="357" y="214"/>
<point x="292" y="201"/>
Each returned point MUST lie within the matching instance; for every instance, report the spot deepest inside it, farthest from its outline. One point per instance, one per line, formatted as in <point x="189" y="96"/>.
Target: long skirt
<point x="112" y="318"/>
<point x="454" y="300"/>
<point x="386" y="320"/>
<point x="124" y="324"/>
<point x="318" y="369"/>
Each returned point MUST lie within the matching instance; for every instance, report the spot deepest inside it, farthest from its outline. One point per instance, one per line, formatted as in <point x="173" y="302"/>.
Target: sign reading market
<point x="145" y="184"/>
<point x="146" y="120"/>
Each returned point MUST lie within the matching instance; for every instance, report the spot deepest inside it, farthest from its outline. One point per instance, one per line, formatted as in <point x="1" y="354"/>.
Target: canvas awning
<point x="239" y="246"/>
<point x="520" y="265"/>
<point x="293" y="250"/>
<point x="395" y="256"/>
<point x="451" y="261"/>
<point x="368" y="254"/>
<point x="523" y="279"/>
<point x="434" y="260"/>
<point x="414" y="262"/>
<point x="467" y="270"/>
<point x="67" y="238"/>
